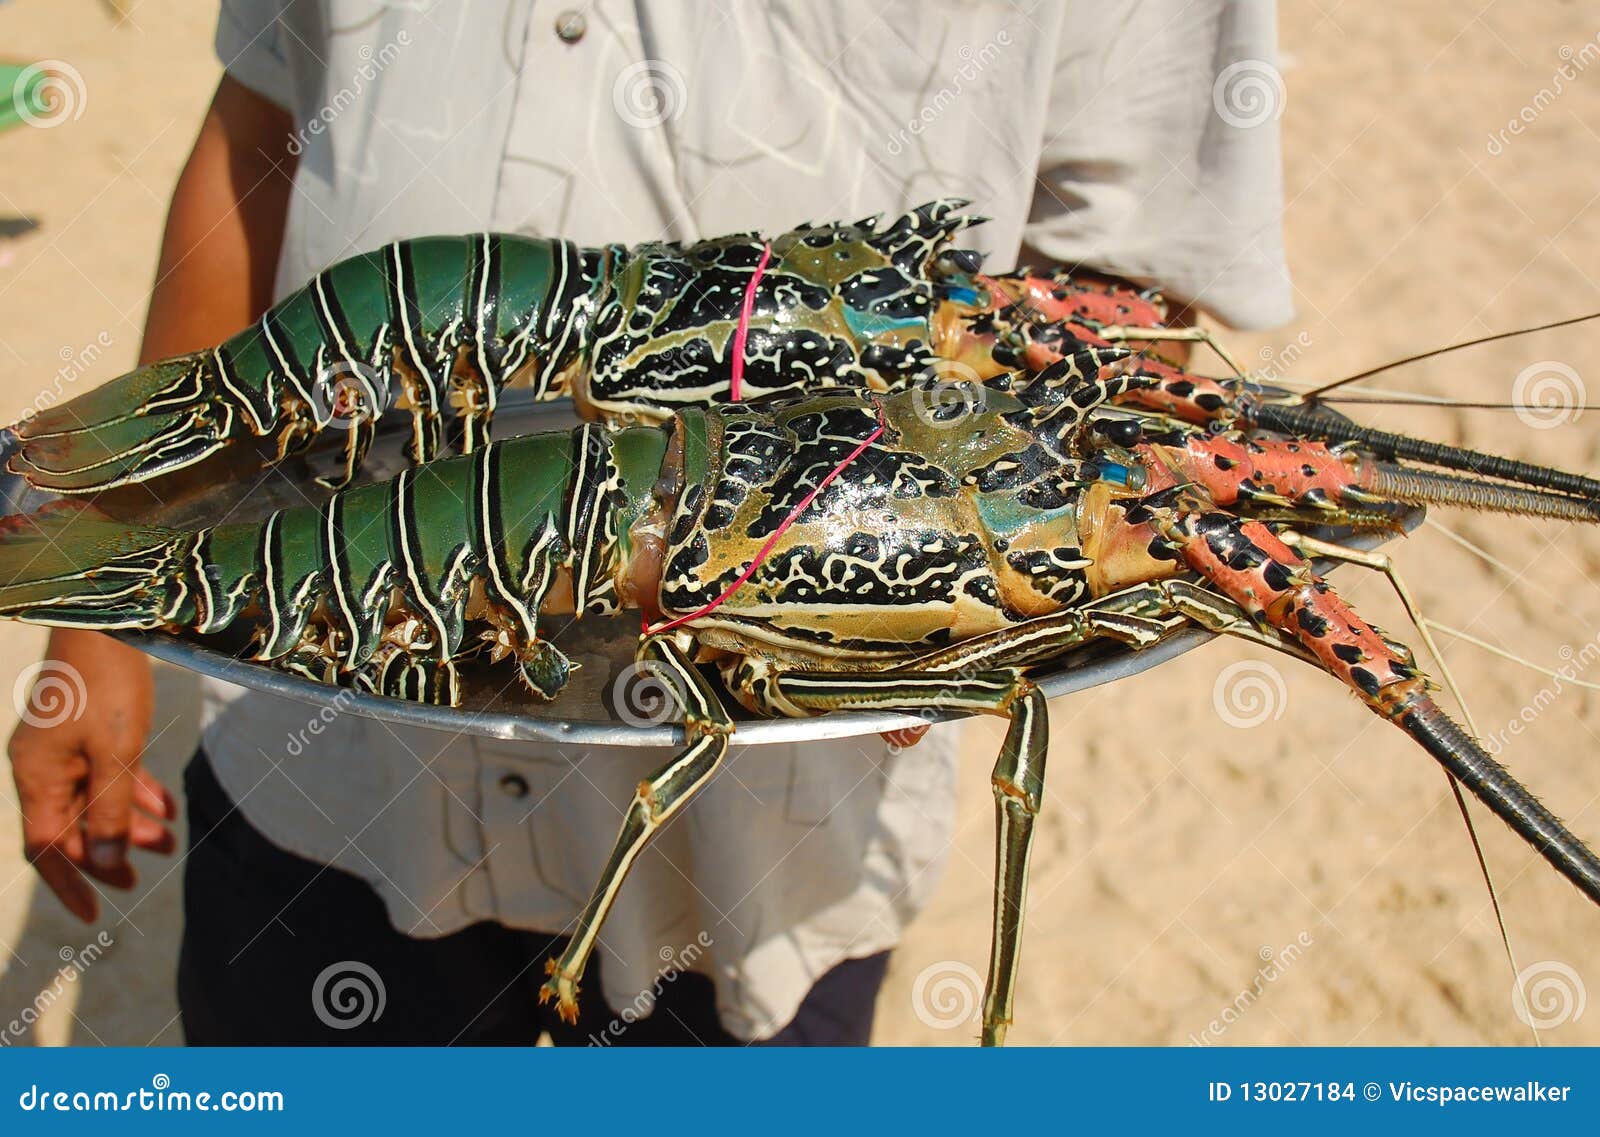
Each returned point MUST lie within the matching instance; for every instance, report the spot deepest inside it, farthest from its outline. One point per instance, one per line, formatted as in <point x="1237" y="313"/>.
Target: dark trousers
<point x="264" y="930"/>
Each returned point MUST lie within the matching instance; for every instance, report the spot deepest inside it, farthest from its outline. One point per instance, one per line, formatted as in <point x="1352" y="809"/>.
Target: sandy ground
<point x="1302" y="880"/>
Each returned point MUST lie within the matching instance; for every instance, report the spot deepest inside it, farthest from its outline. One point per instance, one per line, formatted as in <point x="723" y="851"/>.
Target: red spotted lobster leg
<point x="1248" y="564"/>
<point x="1079" y="297"/>
<point x="1033" y="321"/>
<point x="1104" y="310"/>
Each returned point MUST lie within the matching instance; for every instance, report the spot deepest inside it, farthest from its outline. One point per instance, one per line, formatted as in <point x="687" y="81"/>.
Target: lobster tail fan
<point x="70" y="565"/>
<point x="152" y="421"/>
<point x="1491" y="783"/>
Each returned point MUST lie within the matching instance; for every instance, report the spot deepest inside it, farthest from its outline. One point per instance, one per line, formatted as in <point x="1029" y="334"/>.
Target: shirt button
<point x="514" y="785"/>
<point x="571" y="25"/>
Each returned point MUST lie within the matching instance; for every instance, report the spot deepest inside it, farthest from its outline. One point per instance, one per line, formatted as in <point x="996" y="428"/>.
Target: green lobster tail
<point x="391" y="328"/>
<point x="147" y="423"/>
<point x="371" y="589"/>
<point x="69" y="565"/>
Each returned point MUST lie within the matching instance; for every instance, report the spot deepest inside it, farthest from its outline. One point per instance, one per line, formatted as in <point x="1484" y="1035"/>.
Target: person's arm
<point x="84" y="791"/>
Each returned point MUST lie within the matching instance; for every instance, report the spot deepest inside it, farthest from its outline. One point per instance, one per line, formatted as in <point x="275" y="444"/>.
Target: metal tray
<point x="583" y="713"/>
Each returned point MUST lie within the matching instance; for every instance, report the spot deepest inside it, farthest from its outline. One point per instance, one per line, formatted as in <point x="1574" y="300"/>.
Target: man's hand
<point x="905" y="737"/>
<point x="85" y="794"/>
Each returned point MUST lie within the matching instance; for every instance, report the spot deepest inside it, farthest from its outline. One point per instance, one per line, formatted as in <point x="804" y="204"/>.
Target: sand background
<point x="1180" y="856"/>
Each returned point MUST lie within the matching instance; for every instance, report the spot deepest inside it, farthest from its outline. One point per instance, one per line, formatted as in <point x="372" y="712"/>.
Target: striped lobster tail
<point x="379" y="330"/>
<point x="373" y="588"/>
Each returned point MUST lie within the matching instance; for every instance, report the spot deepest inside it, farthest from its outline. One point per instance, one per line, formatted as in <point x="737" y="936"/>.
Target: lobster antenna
<point x="1488" y="880"/>
<point x="1371" y="371"/>
<point x="1493" y="649"/>
<point x="1403" y="400"/>
<point x="1384" y="565"/>
<point x="1488" y="558"/>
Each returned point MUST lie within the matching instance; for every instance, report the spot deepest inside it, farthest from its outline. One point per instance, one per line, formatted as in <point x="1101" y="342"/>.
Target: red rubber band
<point x="736" y="379"/>
<point x="772" y="541"/>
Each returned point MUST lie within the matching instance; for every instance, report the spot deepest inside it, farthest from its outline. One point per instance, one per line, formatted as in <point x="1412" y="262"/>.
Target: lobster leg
<point x="1117" y="333"/>
<point x="1254" y="569"/>
<point x="1018" y="782"/>
<point x="707" y="727"/>
<point x="1133" y="617"/>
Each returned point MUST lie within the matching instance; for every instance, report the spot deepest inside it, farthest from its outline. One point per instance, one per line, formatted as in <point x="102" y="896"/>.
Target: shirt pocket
<point x="834" y="782"/>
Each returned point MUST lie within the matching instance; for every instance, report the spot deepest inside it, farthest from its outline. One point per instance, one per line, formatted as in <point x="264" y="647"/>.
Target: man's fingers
<point x="109" y="813"/>
<point x="148" y="833"/>
<point x="62" y="877"/>
<point x="153" y="797"/>
<point x="906" y="736"/>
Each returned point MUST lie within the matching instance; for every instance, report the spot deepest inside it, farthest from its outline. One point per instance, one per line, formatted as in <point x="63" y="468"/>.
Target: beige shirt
<point x="1090" y="131"/>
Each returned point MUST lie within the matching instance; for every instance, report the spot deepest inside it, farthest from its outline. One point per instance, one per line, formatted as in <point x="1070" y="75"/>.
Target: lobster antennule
<point x="1428" y="487"/>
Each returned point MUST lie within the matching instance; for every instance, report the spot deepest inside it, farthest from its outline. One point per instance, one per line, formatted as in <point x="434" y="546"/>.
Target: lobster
<point x="438" y="326"/>
<point x="838" y="548"/>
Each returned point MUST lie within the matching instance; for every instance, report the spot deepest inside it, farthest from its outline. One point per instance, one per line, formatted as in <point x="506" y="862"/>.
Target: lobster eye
<point x="1119" y="431"/>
